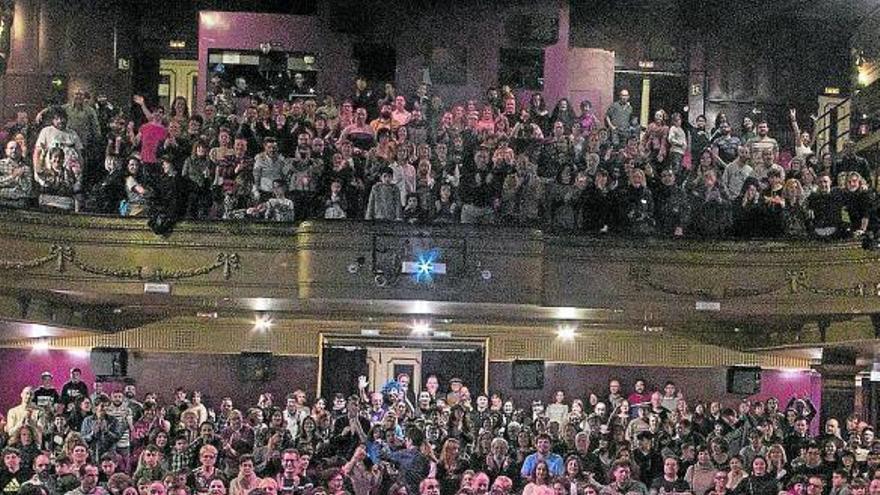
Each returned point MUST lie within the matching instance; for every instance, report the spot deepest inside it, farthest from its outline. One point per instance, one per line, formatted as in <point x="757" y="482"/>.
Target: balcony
<point x="109" y="274"/>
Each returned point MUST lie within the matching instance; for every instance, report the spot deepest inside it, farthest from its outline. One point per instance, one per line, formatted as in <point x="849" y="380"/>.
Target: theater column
<point x="838" y="370"/>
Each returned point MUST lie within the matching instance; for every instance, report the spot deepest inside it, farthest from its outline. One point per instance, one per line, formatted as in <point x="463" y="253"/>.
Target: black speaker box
<point x="742" y="380"/>
<point x="256" y="366"/>
<point x="109" y="362"/>
<point x="528" y="375"/>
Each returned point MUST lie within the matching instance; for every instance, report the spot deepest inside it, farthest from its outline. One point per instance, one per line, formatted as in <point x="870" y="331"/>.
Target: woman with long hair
<point x="27" y="440"/>
<point x="777" y="461"/>
<point x="563" y="112"/>
<point x="450" y="469"/>
<point x="539" y="477"/>
<point x="760" y="481"/>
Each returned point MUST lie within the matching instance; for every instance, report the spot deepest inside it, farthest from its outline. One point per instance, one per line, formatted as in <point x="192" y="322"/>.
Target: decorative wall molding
<point x="63" y="255"/>
<point x="642" y="277"/>
<point x="798" y="283"/>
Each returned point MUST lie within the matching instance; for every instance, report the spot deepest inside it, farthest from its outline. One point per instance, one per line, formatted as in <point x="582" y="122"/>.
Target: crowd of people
<point x="383" y="156"/>
<point x="441" y="440"/>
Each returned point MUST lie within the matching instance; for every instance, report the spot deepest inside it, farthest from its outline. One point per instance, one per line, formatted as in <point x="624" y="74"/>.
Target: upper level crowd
<point x="442" y="440"/>
<point x="380" y="155"/>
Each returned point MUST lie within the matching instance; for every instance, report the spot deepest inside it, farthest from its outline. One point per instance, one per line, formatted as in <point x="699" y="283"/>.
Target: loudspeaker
<point x="527" y="375"/>
<point x="256" y="366"/>
<point x="109" y="362"/>
<point x="742" y="380"/>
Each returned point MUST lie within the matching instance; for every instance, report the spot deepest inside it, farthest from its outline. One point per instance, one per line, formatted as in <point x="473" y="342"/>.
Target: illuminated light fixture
<point x="565" y="313"/>
<point x="421" y="328"/>
<point x="425" y="267"/>
<point x="39" y="331"/>
<point x="41" y="345"/>
<point x="262" y="323"/>
<point x="210" y="19"/>
<point x="864" y="76"/>
<point x="442" y="334"/>
<point x="646" y="64"/>
<point x="566" y="332"/>
<point x="177" y="44"/>
<point x="832" y="90"/>
<point x="370" y="332"/>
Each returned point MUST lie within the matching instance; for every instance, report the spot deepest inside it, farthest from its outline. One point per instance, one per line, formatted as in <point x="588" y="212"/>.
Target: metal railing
<point x="833" y="123"/>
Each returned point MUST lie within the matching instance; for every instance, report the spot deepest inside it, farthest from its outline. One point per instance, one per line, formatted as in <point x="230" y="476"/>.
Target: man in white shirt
<point x="57" y="135"/>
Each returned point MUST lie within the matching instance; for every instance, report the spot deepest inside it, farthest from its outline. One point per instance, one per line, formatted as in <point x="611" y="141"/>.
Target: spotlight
<point x="566" y="332"/>
<point x="425" y="267"/>
<point x="41" y="345"/>
<point x="262" y="323"/>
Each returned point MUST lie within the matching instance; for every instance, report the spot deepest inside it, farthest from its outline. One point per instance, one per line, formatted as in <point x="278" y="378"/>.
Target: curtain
<point x="340" y="371"/>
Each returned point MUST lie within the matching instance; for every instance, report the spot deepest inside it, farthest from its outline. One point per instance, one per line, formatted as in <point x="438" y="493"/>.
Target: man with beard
<point x="725" y="146"/>
<point x="120" y="411"/>
<point x="129" y="391"/>
<point x="16" y="189"/>
<point x="385" y="120"/>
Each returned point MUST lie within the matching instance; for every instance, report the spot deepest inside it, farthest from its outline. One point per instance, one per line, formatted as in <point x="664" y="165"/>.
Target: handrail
<point x="832" y="124"/>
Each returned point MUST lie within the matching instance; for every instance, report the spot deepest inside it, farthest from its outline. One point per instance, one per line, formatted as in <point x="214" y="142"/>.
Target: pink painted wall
<point x="246" y="31"/>
<point x="23" y="367"/>
<point x="216" y="375"/>
<point x="698" y="385"/>
<point x="556" y="61"/>
<point x="577" y="73"/>
<point x="591" y="77"/>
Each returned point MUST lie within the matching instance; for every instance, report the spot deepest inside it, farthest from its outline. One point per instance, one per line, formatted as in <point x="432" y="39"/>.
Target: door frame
<point x="402" y="342"/>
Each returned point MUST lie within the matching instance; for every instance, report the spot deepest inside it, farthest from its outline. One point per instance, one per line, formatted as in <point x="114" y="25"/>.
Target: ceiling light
<point x="262" y="323"/>
<point x="566" y="332"/>
<point x="566" y="313"/>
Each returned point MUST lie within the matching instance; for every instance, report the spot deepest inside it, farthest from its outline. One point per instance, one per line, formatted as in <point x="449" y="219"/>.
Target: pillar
<point x="591" y="77"/>
<point x="556" y="60"/>
<point x="838" y="370"/>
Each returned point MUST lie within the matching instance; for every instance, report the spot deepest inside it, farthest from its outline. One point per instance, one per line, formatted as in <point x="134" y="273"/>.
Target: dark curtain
<point x="340" y="371"/>
<point x="466" y="364"/>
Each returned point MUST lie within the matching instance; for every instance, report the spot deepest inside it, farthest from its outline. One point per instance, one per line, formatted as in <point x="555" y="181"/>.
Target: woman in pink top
<point x="150" y="135"/>
<point x="487" y="120"/>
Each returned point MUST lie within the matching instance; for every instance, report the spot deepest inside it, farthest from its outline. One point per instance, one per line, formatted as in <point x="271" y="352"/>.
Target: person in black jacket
<point x="596" y="205"/>
<point x="824" y="211"/>
<point x="759" y="482"/>
<point x="672" y="206"/>
<point x="858" y="201"/>
<point x="637" y="206"/>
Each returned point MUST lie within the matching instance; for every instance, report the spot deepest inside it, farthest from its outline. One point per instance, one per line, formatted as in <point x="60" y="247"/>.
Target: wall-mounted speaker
<point x="109" y="362"/>
<point x="256" y="366"/>
<point x="527" y="374"/>
<point x="743" y="380"/>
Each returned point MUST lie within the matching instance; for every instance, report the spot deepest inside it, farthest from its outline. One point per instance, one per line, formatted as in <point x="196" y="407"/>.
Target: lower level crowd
<point x="396" y="441"/>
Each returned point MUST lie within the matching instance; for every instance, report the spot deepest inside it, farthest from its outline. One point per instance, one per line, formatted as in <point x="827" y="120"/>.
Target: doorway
<point x="382" y="359"/>
<point x="652" y="91"/>
<point x="386" y="364"/>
